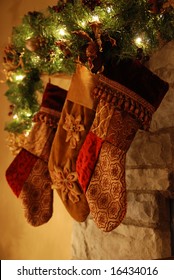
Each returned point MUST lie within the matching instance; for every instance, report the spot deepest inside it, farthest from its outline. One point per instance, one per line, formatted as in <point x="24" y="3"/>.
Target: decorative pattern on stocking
<point x="28" y="174"/>
<point x="88" y="155"/>
<point x="102" y="119"/>
<point x="73" y="127"/>
<point x="87" y="159"/>
<point x="40" y="140"/>
<point x="109" y="172"/>
<point x="120" y="113"/>
<point x="66" y="181"/>
<point x="37" y="196"/>
<point x="106" y="193"/>
<point x="123" y="99"/>
<point x="122" y="130"/>
<point x="29" y="179"/>
<point x="76" y="119"/>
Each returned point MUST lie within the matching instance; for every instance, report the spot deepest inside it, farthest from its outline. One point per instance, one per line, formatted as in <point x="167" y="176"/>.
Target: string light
<point x="138" y="41"/>
<point x="35" y="59"/>
<point x="62" y="32"/>
<point x="83" y="23"/>
<point x="36" y="47"/>
<point x="28" y="114"/>
<point x="15" y="117"/>
<point x="19" y="77"/>
<point x="95" y="18"/>
<point x="26" y="133"/>
<point x="109" y="10"/>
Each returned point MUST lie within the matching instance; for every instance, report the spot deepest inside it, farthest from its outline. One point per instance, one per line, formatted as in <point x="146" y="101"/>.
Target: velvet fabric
<point x="76" y="119"/>
<point x="138" y="78"/>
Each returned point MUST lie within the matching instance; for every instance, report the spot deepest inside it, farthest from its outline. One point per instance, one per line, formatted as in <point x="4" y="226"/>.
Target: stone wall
<point x="145" y="231"/>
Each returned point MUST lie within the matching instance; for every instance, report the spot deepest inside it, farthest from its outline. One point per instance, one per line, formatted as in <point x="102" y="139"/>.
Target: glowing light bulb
<point x="138" y="41"/>
<point x="95" y="18"/>
<point x="28" y="114"/>
<point x="26" y="133"/>
<point x="83" y="23"/>
<point x="19" y="77"/>
<point x="15" y="117"/>
<point x="35" y="59"/>
<point x="109" y="9"/>
<point x="62" y="32"/>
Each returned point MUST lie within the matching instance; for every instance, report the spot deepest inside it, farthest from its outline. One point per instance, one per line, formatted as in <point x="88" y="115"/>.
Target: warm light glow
<point x="15" y="117"/>
<point x="95" y="18"/>
<point x="28" y="114"/>
<point x="109" y="9"/>
<point x="62" y="32"/>
<point x="26" y="133"/>
<point x="35" y="58"/>
<point x="83" y="23"/>
<point x="29" y="34"/>
<point x="138" y="41"/>
<point x="19" y="77"/>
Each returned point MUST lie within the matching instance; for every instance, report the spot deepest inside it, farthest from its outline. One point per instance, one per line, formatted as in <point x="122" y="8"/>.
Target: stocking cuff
<point x="41" y="136"/>
<point x="51" y="107"/>
<point x="48" y="116"/>
<point x="122" y="98"/>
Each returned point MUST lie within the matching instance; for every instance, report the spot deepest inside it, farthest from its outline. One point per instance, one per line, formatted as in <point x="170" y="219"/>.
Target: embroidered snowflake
<point x="66" y="181"/>
<point x="73" y="127"/>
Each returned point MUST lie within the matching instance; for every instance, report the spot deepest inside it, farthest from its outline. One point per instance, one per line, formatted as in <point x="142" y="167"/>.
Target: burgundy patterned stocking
<point x="28" y="174"/>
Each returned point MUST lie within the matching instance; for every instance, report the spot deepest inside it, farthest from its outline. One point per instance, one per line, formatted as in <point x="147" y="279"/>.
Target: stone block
<point x="147" y="209"/>
<point x="164" y="116"/>
<point x="162" y="64"/>
<point x="147" y="179"/>
<point x="150" y="149"/>
<point x="125" y="242"/>
<point x="163" y="59"/>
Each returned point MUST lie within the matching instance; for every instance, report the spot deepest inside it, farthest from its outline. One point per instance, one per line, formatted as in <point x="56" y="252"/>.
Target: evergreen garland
<point x="53" y="42"/>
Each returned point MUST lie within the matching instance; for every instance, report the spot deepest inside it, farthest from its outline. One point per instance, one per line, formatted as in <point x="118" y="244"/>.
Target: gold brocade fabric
<point x="106" y="193"/>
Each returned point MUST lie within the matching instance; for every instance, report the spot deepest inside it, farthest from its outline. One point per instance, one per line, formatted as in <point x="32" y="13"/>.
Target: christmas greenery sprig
<point x="53" y="41"/>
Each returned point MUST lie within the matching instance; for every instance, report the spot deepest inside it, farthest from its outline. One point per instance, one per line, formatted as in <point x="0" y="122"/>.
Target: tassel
<point x="120" y="97"/>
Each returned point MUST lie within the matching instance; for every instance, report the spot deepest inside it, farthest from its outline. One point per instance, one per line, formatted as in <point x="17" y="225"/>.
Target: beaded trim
<point x="124" y="99"/>
<point x="47" y="116"/>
